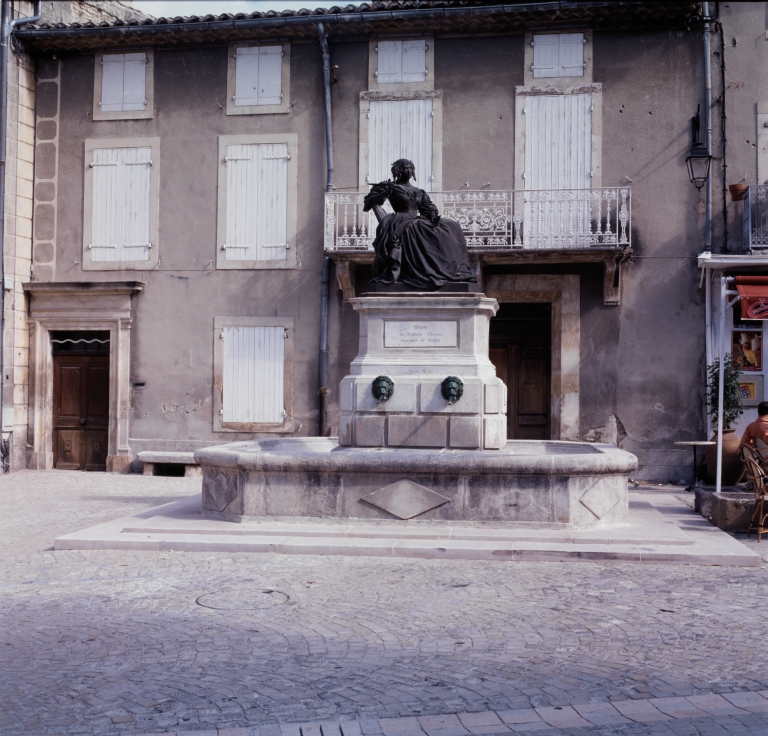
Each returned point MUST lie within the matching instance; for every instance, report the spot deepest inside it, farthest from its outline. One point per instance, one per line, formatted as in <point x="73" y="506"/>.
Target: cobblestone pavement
<point x="141" y="642"/>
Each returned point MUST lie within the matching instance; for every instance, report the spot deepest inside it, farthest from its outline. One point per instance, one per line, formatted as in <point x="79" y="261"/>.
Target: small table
<point x="696" y="444"/>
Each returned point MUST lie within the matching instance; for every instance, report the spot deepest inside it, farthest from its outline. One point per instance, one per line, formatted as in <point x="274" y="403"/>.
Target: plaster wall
<point x="173" y="330"/>
<point x="745" y="54"/>
<point x="641" y="362"/>
<point x="652" y="369"/>
<point x="641" y="372"/>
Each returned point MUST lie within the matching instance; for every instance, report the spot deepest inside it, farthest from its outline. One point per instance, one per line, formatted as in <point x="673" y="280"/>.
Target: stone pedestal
<point x="418" y="340"/>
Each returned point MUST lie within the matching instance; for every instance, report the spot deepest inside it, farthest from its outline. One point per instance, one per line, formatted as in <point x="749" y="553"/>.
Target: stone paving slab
<point x="650" y="536"/>
<point x="582" y="718"/>
<point x="125" y="642"/>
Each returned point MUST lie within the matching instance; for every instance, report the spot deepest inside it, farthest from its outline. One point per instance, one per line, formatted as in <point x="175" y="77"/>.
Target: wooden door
<point x="80" y="411"/>
<point x="520" y="351"/>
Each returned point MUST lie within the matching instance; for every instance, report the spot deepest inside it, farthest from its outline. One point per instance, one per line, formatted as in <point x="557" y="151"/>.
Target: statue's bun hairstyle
<point x="401" y="165"/>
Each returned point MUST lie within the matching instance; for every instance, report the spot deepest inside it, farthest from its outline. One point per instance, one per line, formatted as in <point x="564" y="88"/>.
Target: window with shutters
<point x="123" y="86"/>
<point x="400" y="129"/>
<point x="558" y="56"/>
<point x="253" y="364"/>
<point x="257" y="201"/>
<point x="406" y="63"/>
<point x="121" y="210"/>
<point x="258" y="78"/>
<point x="394" y="126"/>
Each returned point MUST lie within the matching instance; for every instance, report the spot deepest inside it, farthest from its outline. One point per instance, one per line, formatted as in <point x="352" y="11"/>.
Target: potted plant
<point x="737" y="191"/>
<point x="732" y="410"/>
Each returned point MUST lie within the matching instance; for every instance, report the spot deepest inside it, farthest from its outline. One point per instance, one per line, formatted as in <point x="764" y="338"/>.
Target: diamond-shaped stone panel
<point x="405" y="499"/>
<point x="600" y="500"/>
<point x="220" y="491"/>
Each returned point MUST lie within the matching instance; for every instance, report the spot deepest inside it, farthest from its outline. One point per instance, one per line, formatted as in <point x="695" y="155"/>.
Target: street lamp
<point x="699" y="158"/>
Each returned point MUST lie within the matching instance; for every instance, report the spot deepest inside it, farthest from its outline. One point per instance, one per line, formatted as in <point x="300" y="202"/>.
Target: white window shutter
<point x="558" y="142"/>
<point x="241" y="204"/>
<point x="545" y="55"/>
<point x="400" y="129"/>
<point x="253" y="375"/>
<point x="257" y="202"/>
<point x="120" y="225"/>
<point x="134" y="82"/>
<point x="272" y="202"/>
<point x="112" y="82"/>
<point x="247" y="76"/>
<point x="415" y="61"/>
<point x="270" y="75"/>
<point x="106" y="222"/>
<point x="389" y="62"/>
<point x="571" y="62"/>
<point x="137" y="197"/>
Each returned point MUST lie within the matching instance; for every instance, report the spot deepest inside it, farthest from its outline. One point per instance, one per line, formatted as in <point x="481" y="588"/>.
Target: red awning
<point x="753" y="293"/>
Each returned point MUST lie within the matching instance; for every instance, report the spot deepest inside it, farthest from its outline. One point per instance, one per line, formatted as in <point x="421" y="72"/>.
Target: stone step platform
<point x="658" y="531"/>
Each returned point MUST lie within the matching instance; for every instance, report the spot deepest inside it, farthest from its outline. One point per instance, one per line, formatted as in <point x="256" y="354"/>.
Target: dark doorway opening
<point x="521" y="350"/>
<point x="80" y="399"/>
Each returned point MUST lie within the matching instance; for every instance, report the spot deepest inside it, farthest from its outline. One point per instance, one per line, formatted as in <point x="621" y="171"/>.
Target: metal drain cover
<point x="242" y="599"/>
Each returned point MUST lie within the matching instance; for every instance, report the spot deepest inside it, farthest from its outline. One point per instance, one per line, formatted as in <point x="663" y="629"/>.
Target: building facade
<point x="181" y="225"/>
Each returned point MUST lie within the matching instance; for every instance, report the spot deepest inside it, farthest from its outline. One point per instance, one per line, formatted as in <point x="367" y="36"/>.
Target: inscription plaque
<point x="420" y="334"/>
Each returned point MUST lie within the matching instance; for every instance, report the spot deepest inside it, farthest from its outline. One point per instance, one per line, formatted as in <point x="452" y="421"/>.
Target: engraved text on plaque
<point x="420" y="335"/>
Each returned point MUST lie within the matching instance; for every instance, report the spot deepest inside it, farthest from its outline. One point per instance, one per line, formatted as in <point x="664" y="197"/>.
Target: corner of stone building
<point x="17" y="252"/>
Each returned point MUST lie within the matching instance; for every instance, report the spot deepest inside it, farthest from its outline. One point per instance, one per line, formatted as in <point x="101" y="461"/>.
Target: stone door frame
<point x="91" y="306"/>
<point x="563" y="293"/>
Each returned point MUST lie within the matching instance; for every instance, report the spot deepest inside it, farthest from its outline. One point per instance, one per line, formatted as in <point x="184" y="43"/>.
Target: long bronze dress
<point x="413" y="244"/>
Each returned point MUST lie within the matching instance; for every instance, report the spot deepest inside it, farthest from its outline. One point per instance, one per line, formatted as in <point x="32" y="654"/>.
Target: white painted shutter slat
<point x="389" y="62"/>
<point x="134" y="82"/>
<point x="112" y="82"/>
<point x="571" y="60"/>
<point x="415" y="61"/>
<point x="545" y="55"/>
<point x="272" y="209"/>
<point x="400" y="129"/>
<point x="270" y="75"/>
<point x="247" y="76"/>
<point x="253" y="374"/>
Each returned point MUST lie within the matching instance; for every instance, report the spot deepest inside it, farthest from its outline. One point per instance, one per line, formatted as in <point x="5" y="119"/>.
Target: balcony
<point x="754" y="219"/>
<point x="556" y="219"/>
<point x="562" y="225"/>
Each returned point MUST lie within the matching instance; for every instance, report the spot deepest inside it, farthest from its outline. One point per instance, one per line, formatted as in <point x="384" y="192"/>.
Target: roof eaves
<point x="365" y="17"/>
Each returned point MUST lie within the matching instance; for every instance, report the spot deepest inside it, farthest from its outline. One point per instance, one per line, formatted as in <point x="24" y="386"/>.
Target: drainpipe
<point x="708" y="124"/>
<point x="708" y="344"/>
<point x="323" y="391"/>
<point x="7" y="28"/>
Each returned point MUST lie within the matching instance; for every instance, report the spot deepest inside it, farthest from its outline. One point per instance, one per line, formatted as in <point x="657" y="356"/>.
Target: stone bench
<point x="731" y="511"/>
<point x="152" y="459"/>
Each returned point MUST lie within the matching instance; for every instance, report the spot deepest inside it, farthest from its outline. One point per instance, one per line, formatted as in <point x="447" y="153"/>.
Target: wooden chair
<point x="756" y="477"/>
<point x="762" y="450"/>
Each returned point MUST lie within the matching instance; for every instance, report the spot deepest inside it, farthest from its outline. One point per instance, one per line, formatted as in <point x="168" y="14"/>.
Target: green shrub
<point x="732" y="408"/>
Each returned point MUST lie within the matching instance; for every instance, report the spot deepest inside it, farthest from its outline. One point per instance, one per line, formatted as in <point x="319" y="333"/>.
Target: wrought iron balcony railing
<point x="754" y="218"/>
<point x="532" y="219"/>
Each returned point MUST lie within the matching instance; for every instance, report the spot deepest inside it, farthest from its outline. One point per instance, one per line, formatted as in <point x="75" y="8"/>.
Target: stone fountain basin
<point x="528" y="482"/>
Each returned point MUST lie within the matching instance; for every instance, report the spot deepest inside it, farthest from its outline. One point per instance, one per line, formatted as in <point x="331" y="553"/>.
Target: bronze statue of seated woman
<point x="413" y="244"/>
